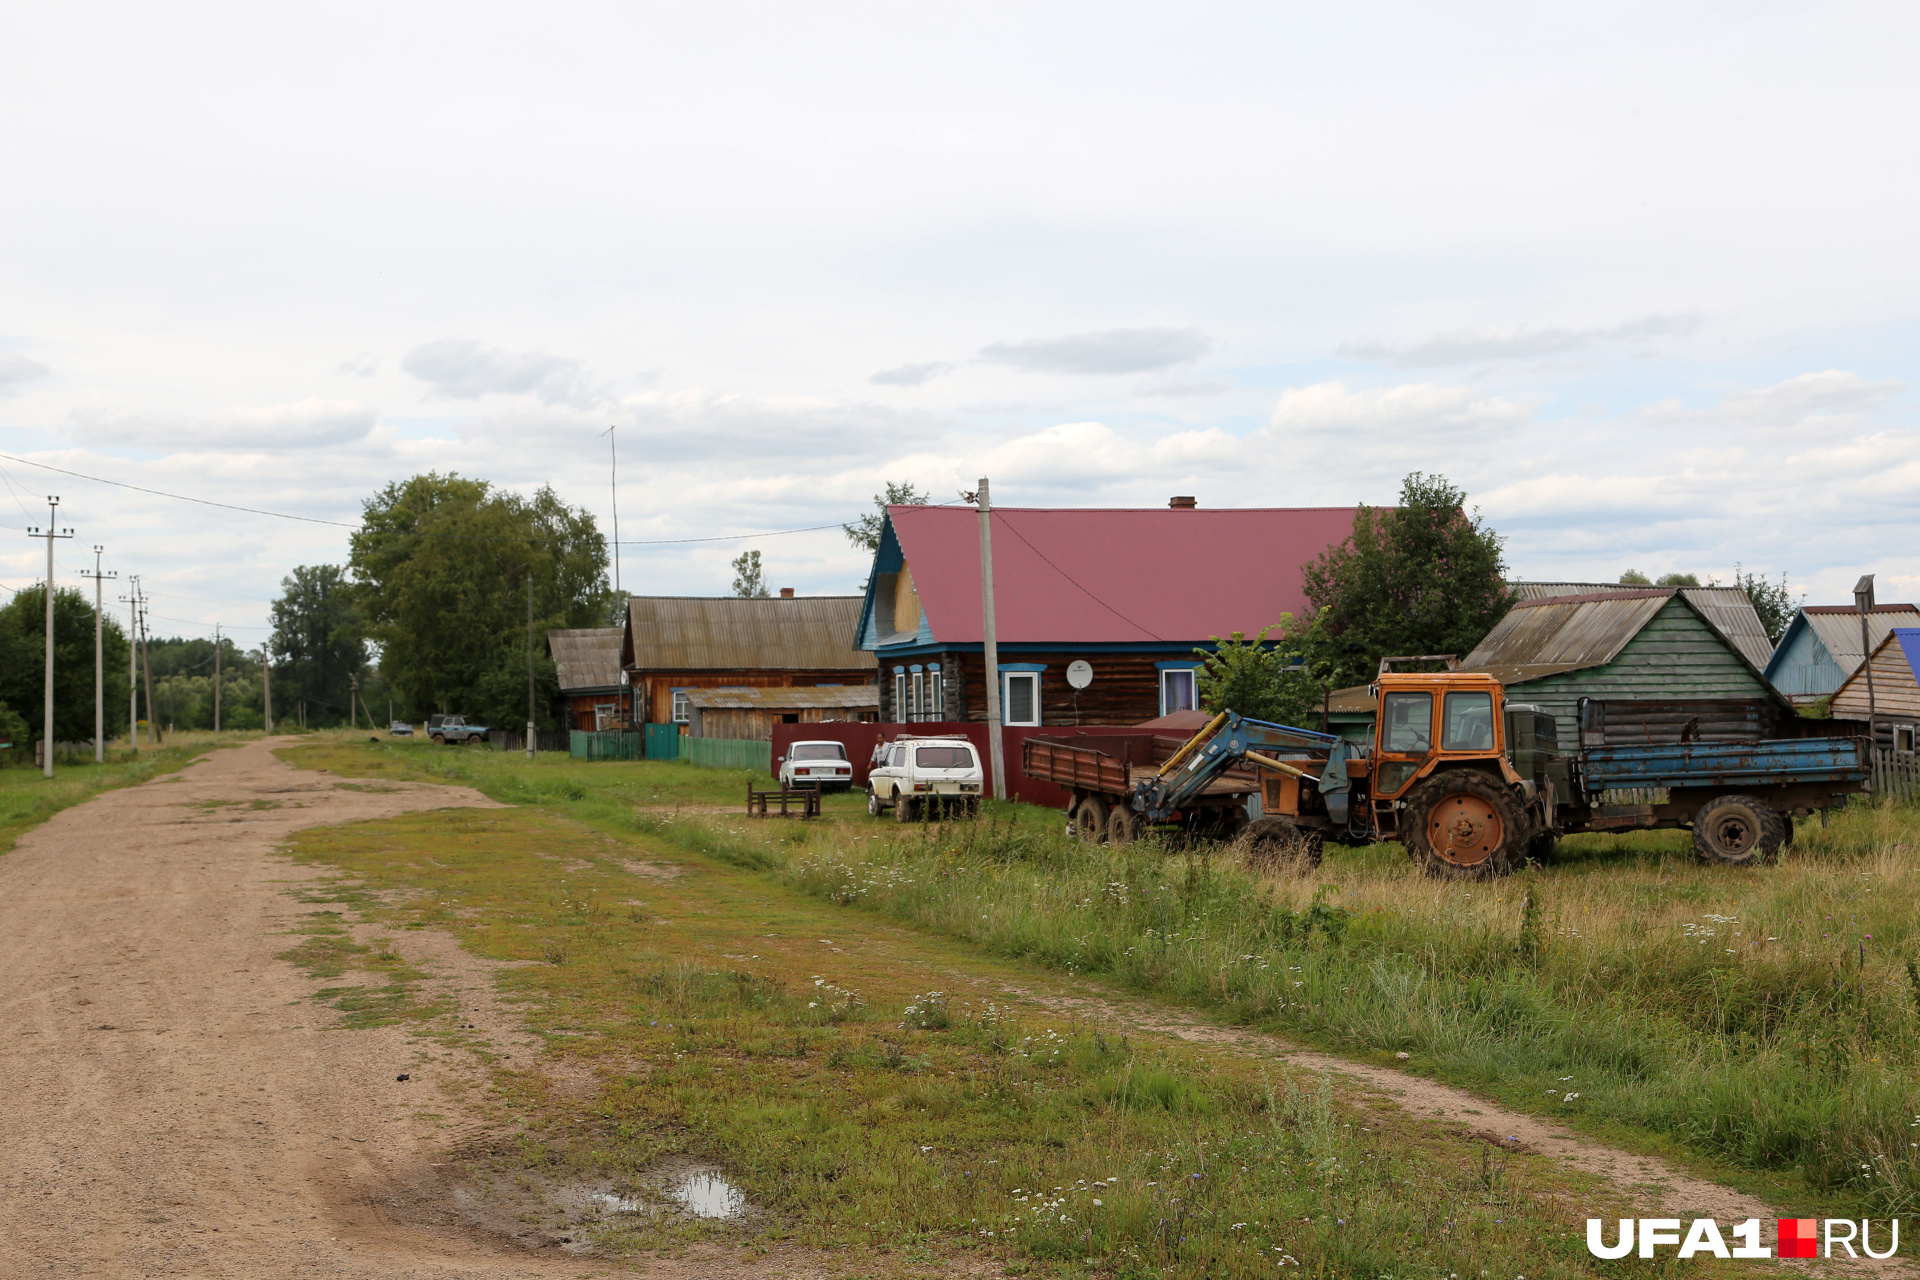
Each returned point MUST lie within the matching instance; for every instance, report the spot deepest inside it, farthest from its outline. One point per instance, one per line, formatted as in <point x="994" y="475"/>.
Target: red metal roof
<point x="1104" y="576"/>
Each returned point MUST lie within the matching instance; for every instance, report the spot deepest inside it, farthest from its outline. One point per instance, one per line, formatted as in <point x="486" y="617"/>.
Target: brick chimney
<point x="786" y="593"/>
<point x="1182" y="503"/>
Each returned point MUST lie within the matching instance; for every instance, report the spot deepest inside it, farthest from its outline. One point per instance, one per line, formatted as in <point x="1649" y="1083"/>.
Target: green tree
<point x="865" y="531"/>
<point x="1283" y="680"/>
<point x="1635" y="578"/>
<point x="319" y="643"/>
<point x="1423" y="577"/>
<point x="1772" y="601"/>
<point x="440" y="568"/>
<point x="749" y="582"/>
<point x="23" y="664"/>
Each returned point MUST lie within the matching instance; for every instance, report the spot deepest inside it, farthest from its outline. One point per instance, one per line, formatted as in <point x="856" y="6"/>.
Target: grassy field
<point x="871" y="1086"/>
<point x="1766" y="1021"/>
<point x="28" y="798"/>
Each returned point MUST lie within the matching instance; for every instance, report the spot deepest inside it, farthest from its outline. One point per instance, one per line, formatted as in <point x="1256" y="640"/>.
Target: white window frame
<point x="1006" y="698"/>
<point x="1193" y="689"/>
<point x="902" y="710"/>
<point x="919" y="695"/>
<point x="683" y="706"/>
<point x="1904" y="731"/>
<point x="936" y="704"/>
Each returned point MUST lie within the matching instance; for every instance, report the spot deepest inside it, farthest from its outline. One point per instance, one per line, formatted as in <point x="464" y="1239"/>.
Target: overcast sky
<point x="1640" y="277"/>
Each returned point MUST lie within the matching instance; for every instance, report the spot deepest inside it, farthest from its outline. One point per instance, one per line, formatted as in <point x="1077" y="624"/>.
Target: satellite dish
<point x="1080" y="673"/>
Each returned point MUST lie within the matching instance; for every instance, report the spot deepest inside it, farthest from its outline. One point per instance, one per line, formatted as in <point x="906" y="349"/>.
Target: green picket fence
<point x="587" y="745"/>
<point x="728" y="753"/>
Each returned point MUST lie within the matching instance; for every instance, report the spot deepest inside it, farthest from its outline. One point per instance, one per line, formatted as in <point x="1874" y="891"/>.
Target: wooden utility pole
<point x="216" y="679"/>
<point x="1863" y="601"/>
<point x="146" y="664"/>
<point x="996" y="750"/>
<point x="99" y="662"/>
<point x="530" y="729"/>
<point x="353" y="703"/>
<point x="613" y="484"/>
<point x="50" y="534"/>
<point x="266" y="684"/>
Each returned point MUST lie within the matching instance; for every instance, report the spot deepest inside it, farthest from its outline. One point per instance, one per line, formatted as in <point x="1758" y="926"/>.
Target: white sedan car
<point x="816" y="764"/>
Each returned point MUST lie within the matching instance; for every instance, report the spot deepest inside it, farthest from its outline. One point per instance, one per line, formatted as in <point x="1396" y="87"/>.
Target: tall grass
<point x="1768" y="1017"/>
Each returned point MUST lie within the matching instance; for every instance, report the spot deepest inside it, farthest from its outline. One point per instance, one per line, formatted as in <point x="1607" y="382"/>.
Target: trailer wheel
<point x="1738" y="831"/>
<point x="1463" y="825"/>
<point x="1275" y="846"/>
<point x="1123" y="826"/>
<point x="1090" y="820"/>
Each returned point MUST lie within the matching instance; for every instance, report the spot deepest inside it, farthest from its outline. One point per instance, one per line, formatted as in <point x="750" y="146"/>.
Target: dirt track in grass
<point x="174" y="1104"/>
<point x="177" y="1105"/>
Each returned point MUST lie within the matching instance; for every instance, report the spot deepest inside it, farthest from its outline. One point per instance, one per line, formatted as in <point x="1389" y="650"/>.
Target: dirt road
<point x="171" y="1104"/>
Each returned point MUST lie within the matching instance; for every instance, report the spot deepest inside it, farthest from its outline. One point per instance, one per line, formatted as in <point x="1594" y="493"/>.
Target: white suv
<point x="816" y="764"/>
<point x="942" y="773"/>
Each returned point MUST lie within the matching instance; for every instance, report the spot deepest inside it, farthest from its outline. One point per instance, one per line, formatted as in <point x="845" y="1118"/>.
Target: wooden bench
<point x="805" y="804"/>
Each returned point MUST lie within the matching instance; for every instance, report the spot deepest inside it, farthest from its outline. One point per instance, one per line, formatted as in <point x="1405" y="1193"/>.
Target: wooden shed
<point x="1657" y="649"/>
<point x="752" y="712"/>
<point x="587" y="662"/>
<point x="674" y="646"/>
<point x="1822" y="647"/>
<point x="1896" y="691"/>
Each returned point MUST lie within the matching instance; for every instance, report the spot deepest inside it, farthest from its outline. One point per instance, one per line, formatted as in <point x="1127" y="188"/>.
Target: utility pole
<point x="99" y="662"/>
<point x="216" y="679"/>
<point x="613" y="484"/>
<point x="132" y="601"/>
<point x="50" y="534"/>
<point x="1863" y="601"/>
<point x="146" y="664"/>
<point x="353" y="702"/>
<point x="995" y="748"/>
<point x="530" y="729"/>
<point x="266" y="684"/>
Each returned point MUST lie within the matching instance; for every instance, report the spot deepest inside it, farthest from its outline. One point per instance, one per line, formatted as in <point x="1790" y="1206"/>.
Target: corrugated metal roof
<point x="1546" y="636"/>
<point x="1728" y="608"/>
<point x="1115" y="576"/>
<point x="727" y="633"/>
<point x="1838" y="627"/>
<point x="586" y="658"/>
<point x="784" y="698"/>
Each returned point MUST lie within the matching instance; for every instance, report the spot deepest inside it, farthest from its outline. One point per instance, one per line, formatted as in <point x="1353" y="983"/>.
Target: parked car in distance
<point x="931" y="774"/>
<point x="816" y="764"/>
<point x="400" y="729"/>
<point x="455" y="730"/>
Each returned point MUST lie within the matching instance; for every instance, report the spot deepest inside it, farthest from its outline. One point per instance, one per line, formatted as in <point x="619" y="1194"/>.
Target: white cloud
<point x="1108" y="352"/>
<point x="1365" y="414"/>
<point x="462" y="369"/>
<point x="301" y="424"/>
<point x="1474" y="346"/>
<point x="911" y="375"/>
<point x="15" y="370"/>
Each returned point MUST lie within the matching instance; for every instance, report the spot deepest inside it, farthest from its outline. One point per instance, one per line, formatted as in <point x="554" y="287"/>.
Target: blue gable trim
<point x="887" y="559"/>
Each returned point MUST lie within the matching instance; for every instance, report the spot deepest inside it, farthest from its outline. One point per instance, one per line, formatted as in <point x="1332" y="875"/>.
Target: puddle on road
<point x="704" y="1193"/>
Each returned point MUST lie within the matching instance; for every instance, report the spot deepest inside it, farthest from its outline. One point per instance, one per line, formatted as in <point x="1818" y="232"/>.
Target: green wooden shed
<point x="1655" y="656"/>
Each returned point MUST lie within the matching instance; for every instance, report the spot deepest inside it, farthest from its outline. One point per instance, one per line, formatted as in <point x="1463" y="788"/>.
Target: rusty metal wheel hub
<point x="1733" y="833"/>
<point x="1465" y="829"/>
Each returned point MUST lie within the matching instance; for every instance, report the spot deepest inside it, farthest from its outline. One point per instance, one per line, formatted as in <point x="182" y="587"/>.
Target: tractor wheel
<point x="1276" y="846"/>
<point x="1090" y="820"/>
<point x="1123" y="826"/>
<point x="873" y="804"/>
<point x="1738" y="831"/>
<point x="1464" y="825"/>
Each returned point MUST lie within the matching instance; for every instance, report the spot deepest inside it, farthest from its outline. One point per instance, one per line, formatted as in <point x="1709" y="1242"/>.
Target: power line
<point x="427" y="533"/>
